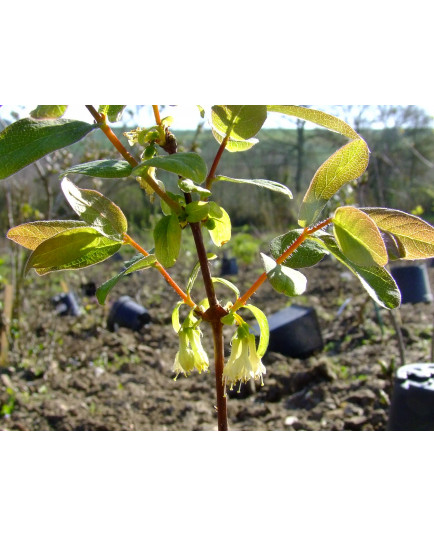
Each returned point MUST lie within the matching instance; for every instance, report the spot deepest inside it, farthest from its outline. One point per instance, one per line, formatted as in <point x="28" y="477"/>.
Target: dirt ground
<point x="72" y="373"/>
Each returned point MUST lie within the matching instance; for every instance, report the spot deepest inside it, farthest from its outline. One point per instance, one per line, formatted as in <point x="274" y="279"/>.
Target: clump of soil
<point x="72" y="373"/>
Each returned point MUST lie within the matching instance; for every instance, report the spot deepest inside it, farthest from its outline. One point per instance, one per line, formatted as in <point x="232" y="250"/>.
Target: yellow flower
<point x="244" y="363"/>
<point x="191" y="354"/>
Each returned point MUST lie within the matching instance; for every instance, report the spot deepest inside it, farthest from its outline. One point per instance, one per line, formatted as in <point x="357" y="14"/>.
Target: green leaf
<point x="28" y="140"/>
<point x="262" y="321"/>
<point x="261" y="183"/>
<point x="239" y="121"/>
<point x="358" y="237"/>
<point x="70" y="250"/>
<point x="319" y="118"/>
<point x="285" y="280"/>
<point x="221" y="233"/>
<point x="104" y="169"/>
<point x="234" y="146"/>
<point x="167" y="236"/>
<point x="307" y="254"/>
<point x="187" y="165"/>
<point x="414" y="236"/>
<point x="142" y="263"/>
<point x="197" y="211"/>
<point x="376" y="280"/>
<point x="228" y="284"/>
<point x="112" y="111"/>
<point x="48" y="111"/>
<point x="30" y="235"/>
<point x="190" y="187"/>
<point x="96" y="210"/>
<point x="344" y="166"/>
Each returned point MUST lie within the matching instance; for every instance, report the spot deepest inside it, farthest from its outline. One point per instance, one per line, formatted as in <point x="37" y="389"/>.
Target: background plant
<point x="363" y="239"/>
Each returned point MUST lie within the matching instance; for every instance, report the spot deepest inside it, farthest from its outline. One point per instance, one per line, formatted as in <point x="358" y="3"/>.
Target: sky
<point x="186" y="116"/>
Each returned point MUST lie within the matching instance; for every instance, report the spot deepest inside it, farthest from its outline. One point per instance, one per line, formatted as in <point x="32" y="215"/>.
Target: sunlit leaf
<point x="319" y="118"/>
<point x="48" y="111"/>
<point x="376" y="280"/>
<point x="190" y="187"/>
<point x="72" y="249"/>
<point x="344" y="166"/>
<point x="222" y="231"/>
<point x="284" y="280"/>
<point x="167" y="237"/>
<point x="141" y="263"/>
<point x="241" y="122"/>
<point x="28" y="140"/>
<point x="414" y="236"/>
<point x="261" y="183"/>
<point x="262" y="321"/>
<point x="358" y="237"/>
<point x="112" y="111"/>
<point x="30" y="235"/>
<point x="187" y="165"/>
<point x="96" y="210"/>
<point x="307" y="254"/>
<point x="235" y="146"/>
<point x="104" y="169"/>
<point x="197" y="211"/>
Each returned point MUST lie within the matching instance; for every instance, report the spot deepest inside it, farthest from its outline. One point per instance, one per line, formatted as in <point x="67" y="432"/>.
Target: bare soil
<point x="72" y="373"/>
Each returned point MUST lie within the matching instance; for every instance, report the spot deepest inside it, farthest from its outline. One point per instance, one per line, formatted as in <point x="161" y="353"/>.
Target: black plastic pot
<point x="66" y="304"/>
<point x="229" y="266"/>
<point x="294" y="332"/>
<point x="128" y="314"/>
<point x="413" y="282"/>
<point x="412" y="406"/>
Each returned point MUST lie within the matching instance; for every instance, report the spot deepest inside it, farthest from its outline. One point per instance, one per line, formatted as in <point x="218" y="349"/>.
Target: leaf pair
<point x="238" y="123"/>
<point x="63" y="245"/>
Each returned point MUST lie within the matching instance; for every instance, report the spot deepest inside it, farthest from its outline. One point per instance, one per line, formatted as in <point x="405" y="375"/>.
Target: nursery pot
<point x="294" y="332"/>
<point x="412" y="406"/>
<point x="413" y="282"/>
<point x="66" y="304"/>
<point x="127" y="313"/>
<point x="229" y="266"/>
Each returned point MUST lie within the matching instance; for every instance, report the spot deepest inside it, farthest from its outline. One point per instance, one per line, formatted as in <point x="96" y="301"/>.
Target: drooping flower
<point x="244" y="363"/>
<point x="191" y="354"/>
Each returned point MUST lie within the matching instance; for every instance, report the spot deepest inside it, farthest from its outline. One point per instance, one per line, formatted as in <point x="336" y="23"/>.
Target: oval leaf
<point x="235" y="146"/>
<point x="112" y="111"/>
<point x="319" y="118"/>
<point x="241" y="122"/>
<point x="30" y="235"/>
<point x="70" y="250"/>
<point x="376" y="280"/>
<point x="28" y="140"/>
<point x="187" y="165"/>
<point x="48" y="111"/>
<point x="167" y="237"/>
<point x="222" y="231"/>
<point x="413" y="235"/>
<point x="96" y="210"/>
<point x="261" y="183"/>
<point x="345" y="165"/>
<point x="104" y="169"/>
<point x="285" y="280"/>
<point x="197" y="211"/>
<point x="307" y="254"/>
<point x="359" y="238"/>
